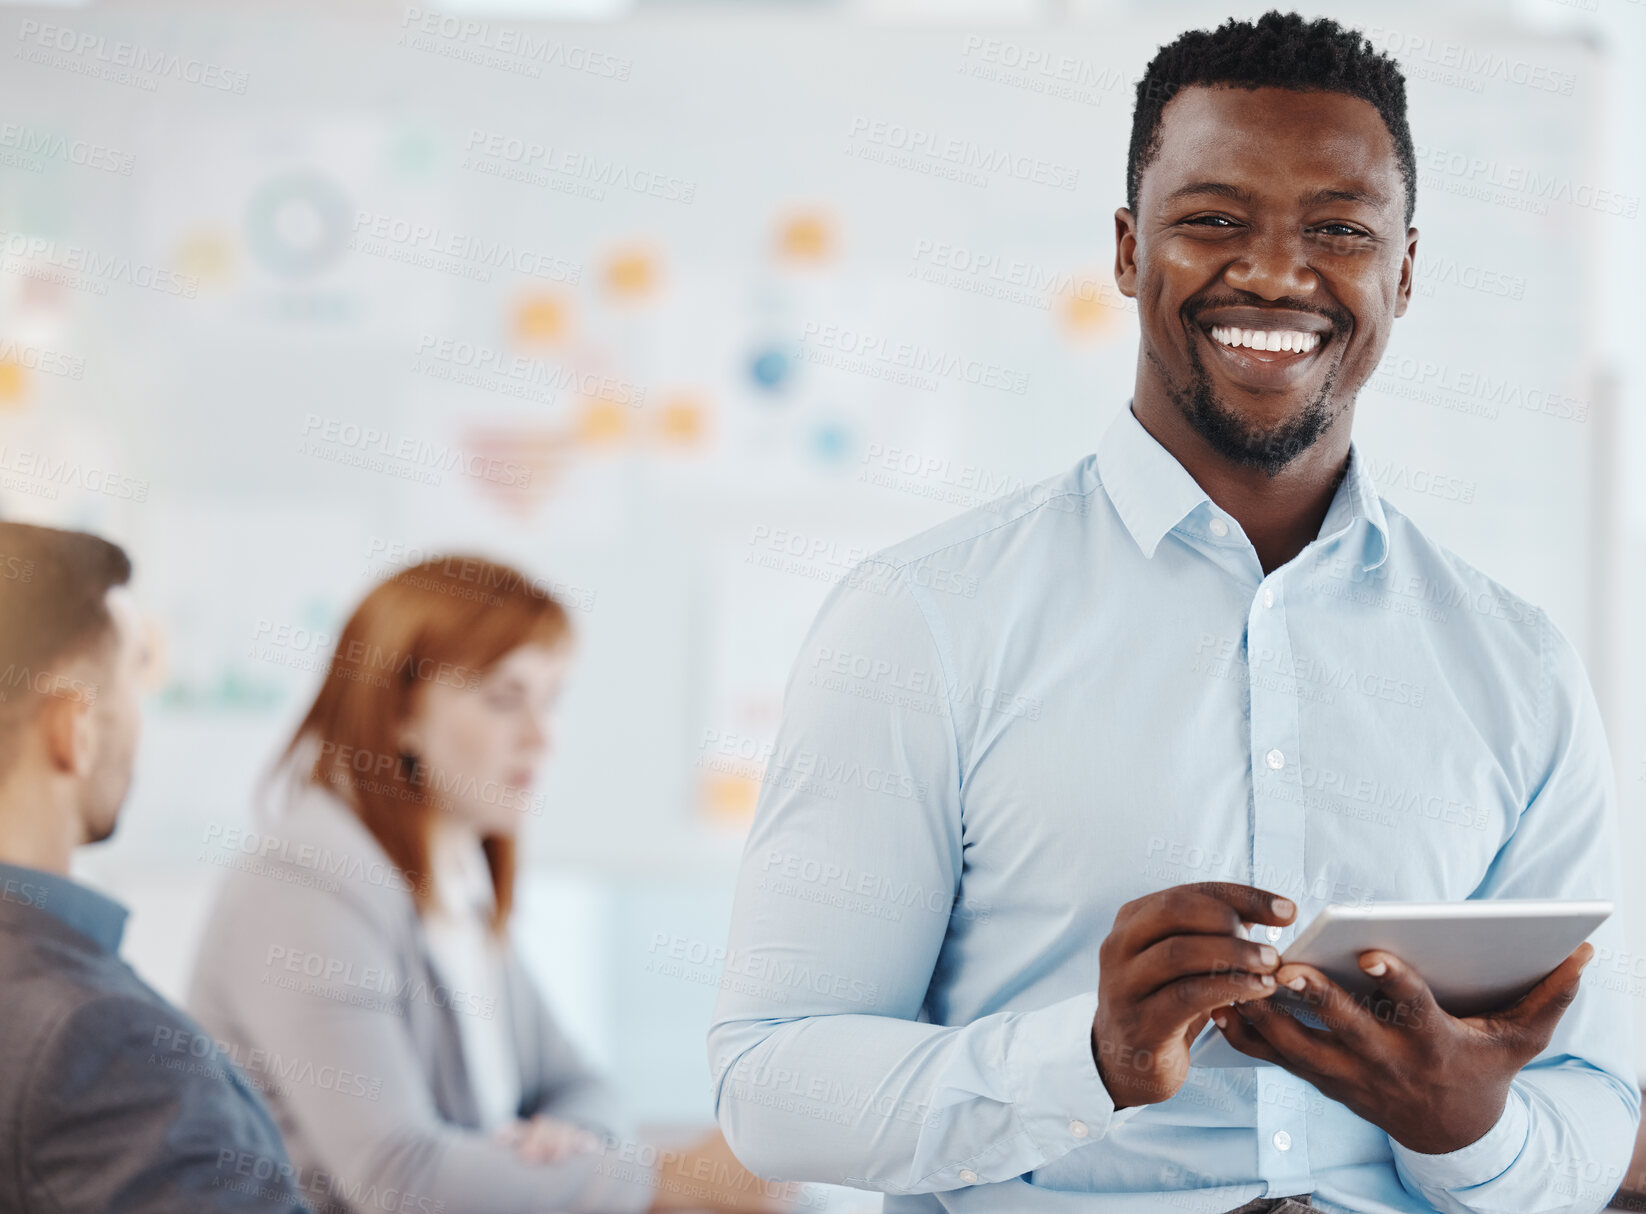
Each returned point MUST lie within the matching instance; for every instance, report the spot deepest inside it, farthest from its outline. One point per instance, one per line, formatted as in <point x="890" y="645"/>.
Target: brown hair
<point x="447" y="620"/>
<point x="52" y="587"/>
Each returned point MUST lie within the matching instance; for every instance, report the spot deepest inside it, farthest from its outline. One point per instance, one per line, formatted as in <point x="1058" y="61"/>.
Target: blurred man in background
<point x="111" y="1100"/>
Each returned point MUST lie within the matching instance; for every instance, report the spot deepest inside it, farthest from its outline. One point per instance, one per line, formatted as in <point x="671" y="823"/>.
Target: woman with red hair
<point x="357" y="963"/>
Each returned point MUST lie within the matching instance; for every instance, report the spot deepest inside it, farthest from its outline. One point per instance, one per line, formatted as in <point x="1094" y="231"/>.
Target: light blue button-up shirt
<point x="1002" y="730"/>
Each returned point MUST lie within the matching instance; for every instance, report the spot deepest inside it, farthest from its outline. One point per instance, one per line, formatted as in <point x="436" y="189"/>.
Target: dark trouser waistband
<point x="1276" y="1205"/>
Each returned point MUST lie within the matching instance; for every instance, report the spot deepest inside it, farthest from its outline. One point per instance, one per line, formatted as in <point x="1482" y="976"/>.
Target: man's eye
<point x="1210" y="220"/>
<point x="1341" y="229"/>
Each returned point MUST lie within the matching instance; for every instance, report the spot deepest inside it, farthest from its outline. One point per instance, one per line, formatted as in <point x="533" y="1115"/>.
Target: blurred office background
<point x="643" y="268"/>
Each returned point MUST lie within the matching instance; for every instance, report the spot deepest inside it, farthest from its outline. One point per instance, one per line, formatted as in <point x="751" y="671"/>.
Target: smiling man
<point x="1015" y="849"/>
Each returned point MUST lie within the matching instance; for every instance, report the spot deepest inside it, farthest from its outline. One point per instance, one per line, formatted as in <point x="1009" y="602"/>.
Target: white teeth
<point x="1266" y="339"/>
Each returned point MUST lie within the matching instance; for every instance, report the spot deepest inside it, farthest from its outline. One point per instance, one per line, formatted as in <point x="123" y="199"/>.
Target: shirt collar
<point x="1150" y="490"/>
<point x="1357" y="498"/>
<point x="78" y="907"/>
<point x="462" y="880"/>
<point x="1152" y="493"/>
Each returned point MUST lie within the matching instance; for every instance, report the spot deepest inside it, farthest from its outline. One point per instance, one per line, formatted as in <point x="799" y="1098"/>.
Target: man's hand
<point x="1171" y="958"/>
<point x="1433" y="1082"/>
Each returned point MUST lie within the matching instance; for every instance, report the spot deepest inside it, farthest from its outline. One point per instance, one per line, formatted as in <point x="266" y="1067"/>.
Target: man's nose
<point x="1272" y="265"/>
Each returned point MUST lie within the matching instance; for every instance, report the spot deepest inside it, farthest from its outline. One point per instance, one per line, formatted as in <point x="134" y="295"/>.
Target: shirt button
<point x="1275" y="759"/>
<point x="1274" y="934"/>
<point x="1268" y="596"/>
<point x="969" y="1176"/>
<point x="1219" y="528"/>
<point x="1078" y="1129"/>
<point x="1282" y="1140"/>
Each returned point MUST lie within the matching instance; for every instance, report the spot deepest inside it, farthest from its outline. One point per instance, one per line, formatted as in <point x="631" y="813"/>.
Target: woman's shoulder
<point x="307" y="861"/>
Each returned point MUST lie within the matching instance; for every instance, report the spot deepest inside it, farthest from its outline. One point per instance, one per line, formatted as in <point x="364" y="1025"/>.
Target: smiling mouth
<point x="1266" y="343"/>
<point x="1278" y="357"/>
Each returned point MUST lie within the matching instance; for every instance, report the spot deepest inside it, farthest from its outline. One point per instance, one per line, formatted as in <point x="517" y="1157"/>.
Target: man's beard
<point x="1232" y="437"/>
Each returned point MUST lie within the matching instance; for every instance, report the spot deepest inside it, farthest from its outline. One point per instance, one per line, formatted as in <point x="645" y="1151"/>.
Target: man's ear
<point x="1408" y="273"/>
<point x="68" y="728"/>
<point x="1125" y="253"/>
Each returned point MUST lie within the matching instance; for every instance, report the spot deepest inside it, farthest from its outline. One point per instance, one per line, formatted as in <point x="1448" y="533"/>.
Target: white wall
<point x="207" y="401"/>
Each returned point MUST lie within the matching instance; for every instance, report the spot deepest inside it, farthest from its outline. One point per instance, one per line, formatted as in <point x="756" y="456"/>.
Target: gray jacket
<point x="313" y="969"/>
<point x="111" y="1100"/>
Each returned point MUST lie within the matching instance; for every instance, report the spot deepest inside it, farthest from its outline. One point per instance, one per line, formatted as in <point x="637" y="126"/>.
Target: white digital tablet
<point x="1475" y="956"/>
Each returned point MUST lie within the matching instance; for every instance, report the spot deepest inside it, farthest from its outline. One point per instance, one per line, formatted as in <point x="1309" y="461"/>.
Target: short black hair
<point x="1278" y="50"/>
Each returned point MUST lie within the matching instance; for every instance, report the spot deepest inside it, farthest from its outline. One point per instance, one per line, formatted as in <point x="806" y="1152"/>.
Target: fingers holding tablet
<point x="1469" y="958"/>
<point x="1312" y="1026"/>
<point x="1200" y="908"/>
<point x="1529" y="1023"/>
<point x="1429" y="1061"/>
<point x="1198" y="971"/>
<point x="1170" y="958"/>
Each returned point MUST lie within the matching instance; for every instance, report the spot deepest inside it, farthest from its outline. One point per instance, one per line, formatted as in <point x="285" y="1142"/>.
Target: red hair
<point x="448" y="620"/>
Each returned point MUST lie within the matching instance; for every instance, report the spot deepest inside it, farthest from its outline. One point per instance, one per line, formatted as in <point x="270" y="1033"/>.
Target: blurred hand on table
<point x="547" y="1139"/>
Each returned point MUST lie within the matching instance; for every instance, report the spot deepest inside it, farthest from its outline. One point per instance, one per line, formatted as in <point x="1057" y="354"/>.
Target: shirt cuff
<point x="1486" y="1158"/>
<point x="1058" y="1096"/>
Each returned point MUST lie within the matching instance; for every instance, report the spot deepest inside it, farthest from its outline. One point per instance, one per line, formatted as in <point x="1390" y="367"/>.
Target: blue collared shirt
<point x="1002" y="730"/>
<point x="95" y="916"/>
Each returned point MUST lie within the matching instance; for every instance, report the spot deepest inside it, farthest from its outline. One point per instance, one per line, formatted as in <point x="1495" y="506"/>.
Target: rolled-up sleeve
<point x="1566" y="1133"/>
<point x="823" y="1068"/>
